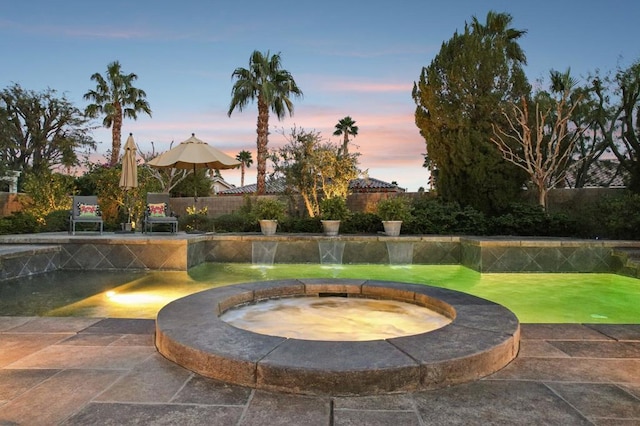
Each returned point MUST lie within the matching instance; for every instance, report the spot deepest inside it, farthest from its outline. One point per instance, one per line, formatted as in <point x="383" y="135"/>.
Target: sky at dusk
<point x="350" y="58"/>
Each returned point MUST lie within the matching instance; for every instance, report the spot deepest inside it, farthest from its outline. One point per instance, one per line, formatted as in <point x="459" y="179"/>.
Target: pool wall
<point x="32" y="254"/>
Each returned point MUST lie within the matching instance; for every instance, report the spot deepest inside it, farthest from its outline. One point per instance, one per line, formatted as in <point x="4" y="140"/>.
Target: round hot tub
<point x="480" y="338"/>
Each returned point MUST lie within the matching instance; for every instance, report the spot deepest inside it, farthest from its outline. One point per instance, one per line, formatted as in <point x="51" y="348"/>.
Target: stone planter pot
<point x="268" y="227"/>
<point x="331" y="227"/>
<point x="392" y="227"/>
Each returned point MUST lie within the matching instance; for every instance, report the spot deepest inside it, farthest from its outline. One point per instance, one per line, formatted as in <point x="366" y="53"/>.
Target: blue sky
<point x="356" y="58"/>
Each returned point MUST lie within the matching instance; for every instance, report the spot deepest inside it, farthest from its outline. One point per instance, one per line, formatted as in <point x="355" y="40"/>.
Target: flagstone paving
<point x="78" y="371"/>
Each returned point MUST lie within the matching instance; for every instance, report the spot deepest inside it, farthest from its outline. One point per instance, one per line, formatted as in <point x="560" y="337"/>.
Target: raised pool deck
<point x="30" y="254"/>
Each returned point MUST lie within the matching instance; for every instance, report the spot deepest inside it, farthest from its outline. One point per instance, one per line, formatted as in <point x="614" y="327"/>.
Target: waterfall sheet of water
<point x="331" y="252"/>
<point x="400" y="253"/>
<point x="263" y="252"/>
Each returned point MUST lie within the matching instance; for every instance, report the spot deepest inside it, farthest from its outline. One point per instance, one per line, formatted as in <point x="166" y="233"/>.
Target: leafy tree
<point x="590" y="145"/>
<point x="40" y="130"/>
<point x="104" y="181"/>
<point x="244" y="157"/>
<point x="116" y="98"/>
<point x="272" y="86"/>
<point x="47" y="192"/>
<point x="459" y="97"/>
<point x="197" y="184"/>
<point x="346" y="127"/>
<point x="543" y="144"/>
<point x="618" y="119"/>
<point x="314" y="167"/>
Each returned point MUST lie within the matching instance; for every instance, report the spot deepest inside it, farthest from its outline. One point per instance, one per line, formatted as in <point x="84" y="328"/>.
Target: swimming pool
<point x="534" y="298"/>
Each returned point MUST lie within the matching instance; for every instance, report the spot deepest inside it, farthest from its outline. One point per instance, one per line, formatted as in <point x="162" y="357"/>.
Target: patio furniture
<point x="85" y="209"/>
<point x="158" y="213"/>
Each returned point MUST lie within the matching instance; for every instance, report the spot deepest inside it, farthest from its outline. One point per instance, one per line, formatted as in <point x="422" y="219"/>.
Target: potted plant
<point x="393" y="211"/>
<point x="268" y="212"/>
<point x="332" y="211"/>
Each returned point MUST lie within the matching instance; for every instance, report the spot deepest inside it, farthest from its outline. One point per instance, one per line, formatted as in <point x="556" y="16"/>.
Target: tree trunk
<point x="242" y="174"/>
<point x="116" y="135"/>
<point x="263" y="135"/>
<point x="542" y="194"/>
<point x="345" y="148"/>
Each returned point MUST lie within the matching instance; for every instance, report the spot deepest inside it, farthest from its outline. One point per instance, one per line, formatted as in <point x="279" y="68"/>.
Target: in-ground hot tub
<point x="482" y="338"/>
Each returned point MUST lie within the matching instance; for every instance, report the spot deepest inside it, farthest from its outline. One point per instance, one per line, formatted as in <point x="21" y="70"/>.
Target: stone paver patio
<point x="80" y="371"/>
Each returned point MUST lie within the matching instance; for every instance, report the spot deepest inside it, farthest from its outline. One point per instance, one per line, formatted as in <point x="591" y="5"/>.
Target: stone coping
<point x="139" y="238"/>
<point x="106" y="237"/>
<point x="482" y="338"/>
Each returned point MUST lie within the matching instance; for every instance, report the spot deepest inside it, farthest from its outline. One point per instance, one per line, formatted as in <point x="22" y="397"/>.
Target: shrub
<point x="19" y="223"/>
<point x="334" y="209"/>
<point x="268" y="209"/>
<point x="310" y="225"/>
<point x="395" y="208"/>
<point x="56" y="221"/>
<point x="236" y="222"/>
<point x="198" y="222"/>
<point x="361" y="223"/>
<point x="531" y="220"/>
<point x="432" y="216"/>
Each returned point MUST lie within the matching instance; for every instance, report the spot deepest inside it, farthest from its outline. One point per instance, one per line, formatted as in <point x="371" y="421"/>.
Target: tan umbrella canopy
<point x="129" y="176"/>
<point x="194" y="154"/>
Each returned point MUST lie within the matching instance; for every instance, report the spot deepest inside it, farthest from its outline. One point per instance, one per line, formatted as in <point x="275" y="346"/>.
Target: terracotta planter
<point x="392" y="227"/>
<point x="268" y="227"/>
<point x="331" y="227"/>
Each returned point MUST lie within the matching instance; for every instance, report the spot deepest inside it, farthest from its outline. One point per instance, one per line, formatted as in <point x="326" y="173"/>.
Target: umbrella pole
<point x="195" y="186"/>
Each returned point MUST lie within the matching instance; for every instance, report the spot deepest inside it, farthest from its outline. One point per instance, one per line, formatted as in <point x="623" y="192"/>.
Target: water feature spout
<point x="400" y="253"/>
<point x="263" y="252"/>
<point x="331" y="252"/>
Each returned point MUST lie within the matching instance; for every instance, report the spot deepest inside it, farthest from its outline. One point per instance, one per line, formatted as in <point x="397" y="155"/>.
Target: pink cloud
<point x="388" y="140"/>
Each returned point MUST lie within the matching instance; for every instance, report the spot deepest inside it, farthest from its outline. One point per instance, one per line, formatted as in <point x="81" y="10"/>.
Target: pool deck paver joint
<point x="569" y="374"/>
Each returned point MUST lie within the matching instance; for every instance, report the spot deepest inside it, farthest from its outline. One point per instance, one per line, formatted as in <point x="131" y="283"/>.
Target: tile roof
<point x="278" y="186"/>
<point x="601" y="174"/>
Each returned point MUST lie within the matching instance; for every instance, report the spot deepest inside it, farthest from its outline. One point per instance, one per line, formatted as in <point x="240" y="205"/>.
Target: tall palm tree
<point x="346" y="127"/>
<point x="244" y="157"/>
<point x="116" y="99"/>
<point x="497" y="29"/>
<point x="272" y="86"/>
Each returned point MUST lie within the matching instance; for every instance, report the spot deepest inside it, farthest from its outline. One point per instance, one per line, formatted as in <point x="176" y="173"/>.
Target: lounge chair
<point x="85" y="209"/>
<point x="158" y="213"/>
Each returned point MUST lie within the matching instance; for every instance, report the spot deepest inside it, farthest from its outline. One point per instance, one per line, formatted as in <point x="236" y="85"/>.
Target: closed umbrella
<point x="194" y="154"/>
<point x="129" y="176"/>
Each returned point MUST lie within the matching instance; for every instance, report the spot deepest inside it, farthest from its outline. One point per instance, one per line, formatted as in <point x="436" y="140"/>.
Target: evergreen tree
<point x="459" y="96"/>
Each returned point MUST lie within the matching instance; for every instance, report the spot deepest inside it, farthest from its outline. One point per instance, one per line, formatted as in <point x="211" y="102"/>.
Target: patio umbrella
<point x="194" y="154"/>
<point x="129" y="176"/>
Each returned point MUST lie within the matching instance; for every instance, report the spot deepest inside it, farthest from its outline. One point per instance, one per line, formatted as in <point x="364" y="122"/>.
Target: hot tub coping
<point x="482" y="338"/>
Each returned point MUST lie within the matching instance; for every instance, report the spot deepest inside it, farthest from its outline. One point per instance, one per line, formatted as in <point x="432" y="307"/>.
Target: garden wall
<point x="9" y="203"/>
<point x="559" y="200"/>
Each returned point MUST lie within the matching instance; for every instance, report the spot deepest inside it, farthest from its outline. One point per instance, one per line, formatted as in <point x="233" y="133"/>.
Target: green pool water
<point x="534" y="298"/>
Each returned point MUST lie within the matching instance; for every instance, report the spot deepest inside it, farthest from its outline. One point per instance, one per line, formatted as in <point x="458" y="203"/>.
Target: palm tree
<point x="272" y="86"/>
<point x="115" y="98"/>
<point x="498" y="31"/>
<point x="346" y="127"/>
<point x="244" y="157"/>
